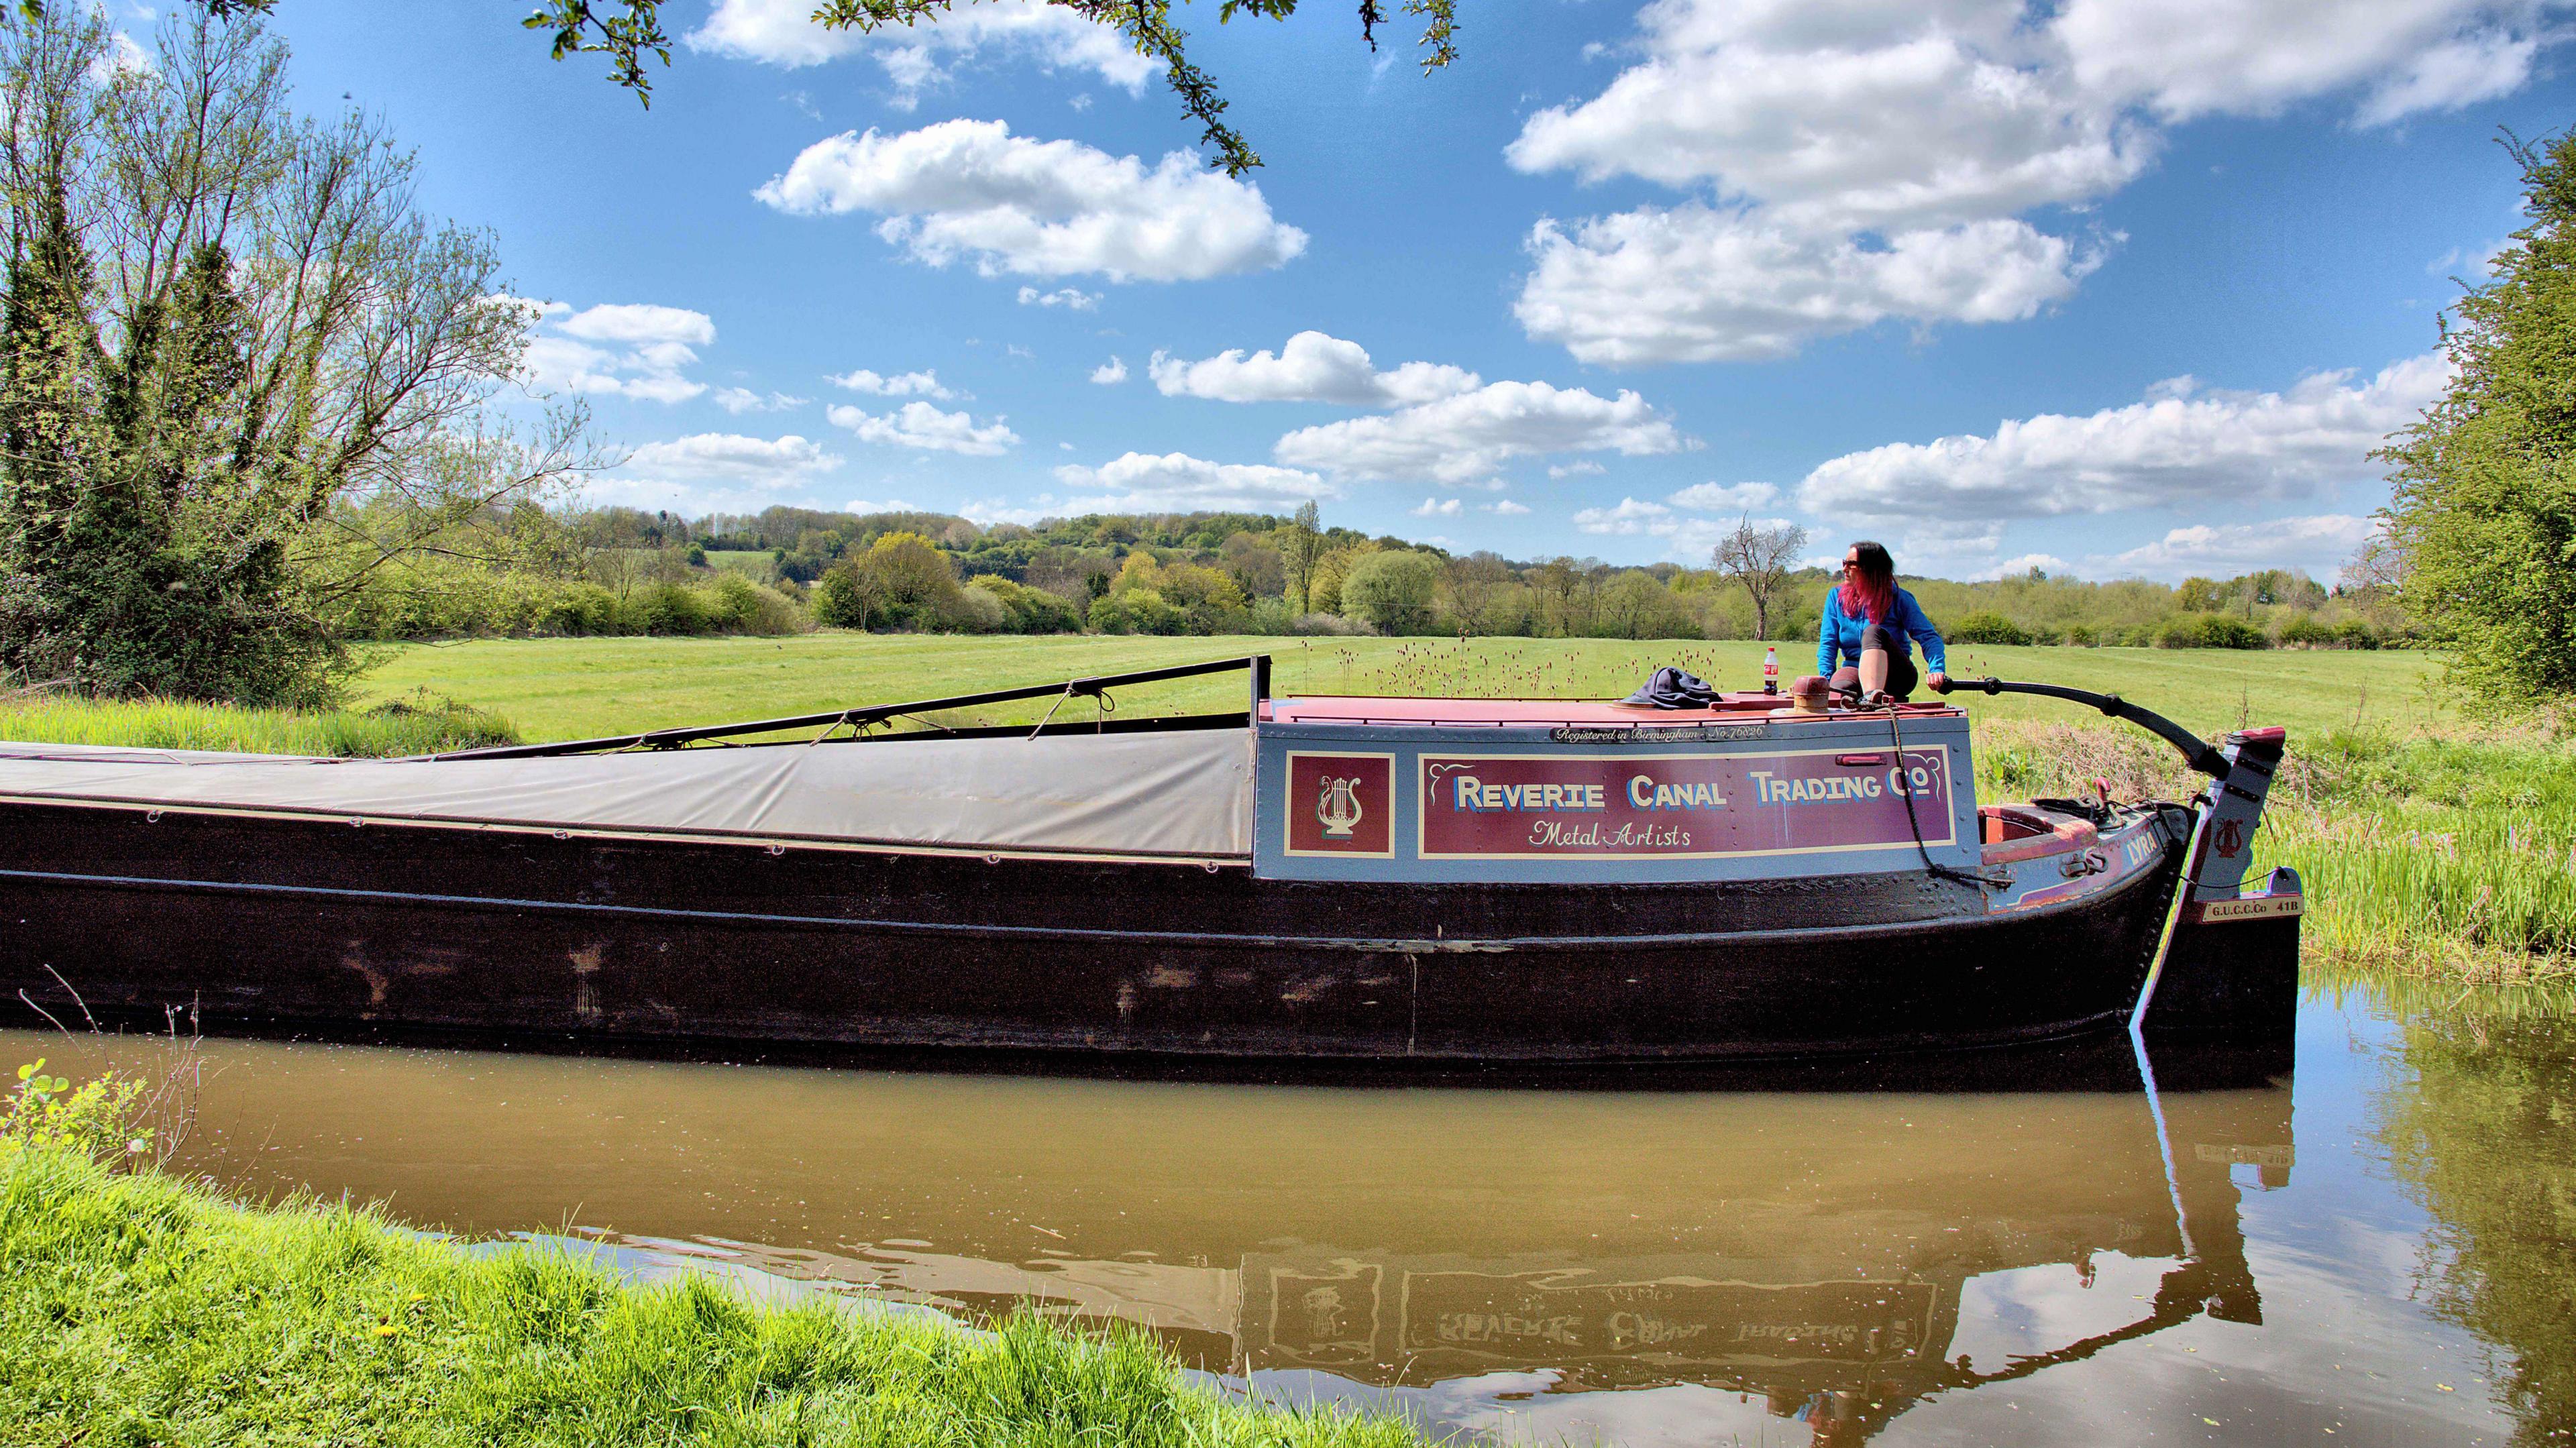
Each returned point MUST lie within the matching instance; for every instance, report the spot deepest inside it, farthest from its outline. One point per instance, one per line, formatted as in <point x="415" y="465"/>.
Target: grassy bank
<point x="145" y="1310"/>
<point x="413" y="724"/>
<point x="575" y="688"/>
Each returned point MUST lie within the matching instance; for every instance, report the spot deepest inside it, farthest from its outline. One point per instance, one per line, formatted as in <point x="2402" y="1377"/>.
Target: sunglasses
<point x="1851" y="563"/>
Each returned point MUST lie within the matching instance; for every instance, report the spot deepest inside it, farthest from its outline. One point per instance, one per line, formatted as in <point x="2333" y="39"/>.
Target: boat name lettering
<point x="1476" y="795"/>
<point x="1769" y="788"/>
<point x="1647" y="792"/>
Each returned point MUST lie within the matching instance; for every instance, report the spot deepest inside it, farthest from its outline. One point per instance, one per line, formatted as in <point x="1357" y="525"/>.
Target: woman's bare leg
<point x="1873" y="671"/>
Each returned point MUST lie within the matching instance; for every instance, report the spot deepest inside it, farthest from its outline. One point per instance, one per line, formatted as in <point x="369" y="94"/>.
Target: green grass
<point x="144" y="1310"/>
<point x="576" y="688"/>
<point x="2454" y="857"/>
<point x="411" y="724"/>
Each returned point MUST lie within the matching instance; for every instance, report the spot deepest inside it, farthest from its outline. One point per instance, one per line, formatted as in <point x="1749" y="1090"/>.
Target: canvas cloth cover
<point x="1186" y="792"/>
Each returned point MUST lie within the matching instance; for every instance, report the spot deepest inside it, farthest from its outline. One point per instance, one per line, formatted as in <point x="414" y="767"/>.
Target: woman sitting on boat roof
<point x="1876" y="624"/>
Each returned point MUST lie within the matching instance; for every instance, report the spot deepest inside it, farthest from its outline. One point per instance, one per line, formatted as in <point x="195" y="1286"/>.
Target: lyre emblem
<point x="1338" y="807"/>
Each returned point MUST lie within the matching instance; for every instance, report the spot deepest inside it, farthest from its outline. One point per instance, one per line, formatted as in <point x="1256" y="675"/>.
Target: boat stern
<point x="2230" y="969"/>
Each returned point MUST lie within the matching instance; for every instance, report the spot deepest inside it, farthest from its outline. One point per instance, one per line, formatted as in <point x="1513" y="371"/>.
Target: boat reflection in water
<point x="1478" y="1257"/>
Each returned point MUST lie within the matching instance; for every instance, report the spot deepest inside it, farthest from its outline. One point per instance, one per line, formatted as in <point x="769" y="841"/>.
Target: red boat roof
<point x="1505" y="713"/>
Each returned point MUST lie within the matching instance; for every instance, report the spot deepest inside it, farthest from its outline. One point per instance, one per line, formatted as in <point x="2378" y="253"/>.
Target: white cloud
<point x="1698" y="284"/>
<point x="1456" y="438"/>
<point x="1508" y="507"/>
<point x="971" y="189"/>
<point x="2481" y="261"/>
<point x="920" y="425"/>
<point x="640" y="325"/>
<point x="1936" y="547"/>
<point x="1583" y="468"/>
<point x="567" y="354"/>
<point x="739" y="400"/>
<point x="2318" y="545"/>
<point x="1310" y="367"/>
<point x="865" y="506"/>
<point x="124" y="54"/>
<point x="1628" y="519"/>
<point x="1177" y="482"/>
<point x="731" y="458"/>
<point x="989" y="511"/>
<point x="1072" y="299"/>
<point x="2015" y="567"/>
<point x="1848" y="165"/>
<point x="1882" y="116"/>
<point x="1685" y="537"/>
<point x="901" y="384"/>
<point x="1725" y="497"/>
<point x="1440" y="508"/>
<point x="1111" y="372"/>
<point x="2185" y="58"/>
<point x="782" y="32"/>
<point x="2172" y="450"/>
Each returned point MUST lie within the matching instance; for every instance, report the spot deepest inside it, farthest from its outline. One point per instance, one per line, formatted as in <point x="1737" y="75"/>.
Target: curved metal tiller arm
<point x="2194" y="749"/>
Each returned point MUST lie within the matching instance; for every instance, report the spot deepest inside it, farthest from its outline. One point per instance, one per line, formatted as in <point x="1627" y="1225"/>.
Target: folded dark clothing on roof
<point x="1671" y="688"/>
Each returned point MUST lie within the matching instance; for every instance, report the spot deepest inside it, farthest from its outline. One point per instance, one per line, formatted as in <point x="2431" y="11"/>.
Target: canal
<point x="2378" y="1247"/>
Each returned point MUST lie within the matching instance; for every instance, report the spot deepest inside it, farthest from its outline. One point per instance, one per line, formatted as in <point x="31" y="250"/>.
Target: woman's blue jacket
<point x="1839" y="635"/>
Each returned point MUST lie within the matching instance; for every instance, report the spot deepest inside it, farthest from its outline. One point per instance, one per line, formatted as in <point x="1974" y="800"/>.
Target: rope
<point x="1051" y="708"/>
<point x="1905" y="788"/>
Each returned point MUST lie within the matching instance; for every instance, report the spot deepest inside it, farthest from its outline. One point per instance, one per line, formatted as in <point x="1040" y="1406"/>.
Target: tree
<point x="1759" y="558"/>
<point x="626" y="31"/>
<point x="1558" y="581"/>
<point x="239" y="372"/>
<point x="1391" y="591"/>
<point x="901" y="579"/>
<point x="1480" y="590"/>
<point x="1636" y="605"/>
<point x="1301" y="546"/>
<point x="2483" y="497"/>
<point x="1257" y="567"/>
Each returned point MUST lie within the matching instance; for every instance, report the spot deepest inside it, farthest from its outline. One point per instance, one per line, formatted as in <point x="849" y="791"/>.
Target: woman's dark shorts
<point x="1901" y="673"/>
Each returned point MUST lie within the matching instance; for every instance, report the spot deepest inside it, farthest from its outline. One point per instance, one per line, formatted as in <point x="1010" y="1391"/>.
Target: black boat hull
<point x="281" y="923"/>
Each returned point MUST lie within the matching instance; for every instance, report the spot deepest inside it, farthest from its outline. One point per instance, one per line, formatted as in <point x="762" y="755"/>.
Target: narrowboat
<point x="1336" y="878"/>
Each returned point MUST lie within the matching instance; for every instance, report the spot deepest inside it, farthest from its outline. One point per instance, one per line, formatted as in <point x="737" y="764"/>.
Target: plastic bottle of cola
<point x="1770" y="671"/>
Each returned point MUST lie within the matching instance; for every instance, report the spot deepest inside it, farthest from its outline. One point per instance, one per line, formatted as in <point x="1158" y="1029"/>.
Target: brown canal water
<point x="2380" y="1248"/>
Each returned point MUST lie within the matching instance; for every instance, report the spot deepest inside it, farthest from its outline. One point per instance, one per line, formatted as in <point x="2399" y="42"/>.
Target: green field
<point x="579" y="688"/>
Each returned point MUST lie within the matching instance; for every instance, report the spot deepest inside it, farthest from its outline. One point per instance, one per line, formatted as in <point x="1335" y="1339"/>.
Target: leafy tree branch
<point x="630" y="31"/>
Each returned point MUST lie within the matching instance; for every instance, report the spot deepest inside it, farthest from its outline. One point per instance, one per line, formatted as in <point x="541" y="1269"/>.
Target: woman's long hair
<point x="1869" y="591"/>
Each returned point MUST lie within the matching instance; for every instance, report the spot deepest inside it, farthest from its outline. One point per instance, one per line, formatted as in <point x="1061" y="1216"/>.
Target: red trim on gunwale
<point x="1510" y="713"/>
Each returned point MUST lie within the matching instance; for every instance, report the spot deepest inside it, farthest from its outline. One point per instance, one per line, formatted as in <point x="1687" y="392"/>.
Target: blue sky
<point x="2124" y="287"/>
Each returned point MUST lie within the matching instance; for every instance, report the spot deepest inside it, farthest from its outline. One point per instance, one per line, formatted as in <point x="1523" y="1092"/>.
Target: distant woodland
<point x="620" y="571"/>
